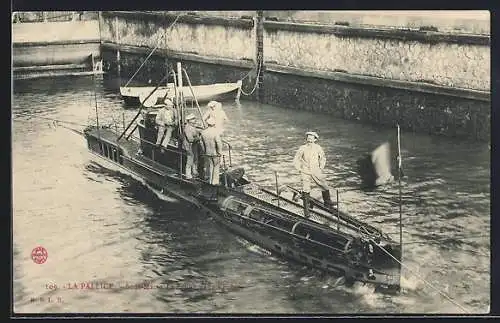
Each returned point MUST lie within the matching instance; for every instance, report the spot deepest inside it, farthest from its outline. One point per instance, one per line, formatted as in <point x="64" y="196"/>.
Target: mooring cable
<point x="57" y="124"/>
<point x="422" y="279"/>
<point x="259" y="70"/>
<point x="52" y="119"/>
<point x="255" y="85"/>
<point x="248" y="74"/>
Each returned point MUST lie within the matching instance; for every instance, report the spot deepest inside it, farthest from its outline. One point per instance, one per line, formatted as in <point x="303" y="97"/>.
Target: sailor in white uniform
<point x="216" y="112"/>
<point x="310" y="161"/>
<point x="166" y="121"/>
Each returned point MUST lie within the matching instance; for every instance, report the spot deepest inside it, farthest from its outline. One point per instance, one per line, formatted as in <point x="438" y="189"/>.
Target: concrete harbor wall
<point x="187" y="36"/>
<point x="415" y="111"/>
<point x="430" y="78"/>
<point x="54" y="43"/>
<point x="134" y="35"/>
<point x="54" y="54"/>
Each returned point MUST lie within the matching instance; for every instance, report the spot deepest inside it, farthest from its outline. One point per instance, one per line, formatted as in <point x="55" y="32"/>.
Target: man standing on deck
<point x="212" y="148"/>
<point x="310" y="161"/>
<point x="191" y="134"/>
<point x="216" y="112"/>
<point x="166" y="122"/>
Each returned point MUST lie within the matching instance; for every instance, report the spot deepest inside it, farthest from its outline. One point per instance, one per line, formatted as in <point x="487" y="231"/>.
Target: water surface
<point x="162" y="255"/>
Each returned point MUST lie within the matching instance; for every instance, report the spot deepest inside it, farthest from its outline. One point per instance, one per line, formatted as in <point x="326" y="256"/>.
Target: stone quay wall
<point x="425" y="79"/>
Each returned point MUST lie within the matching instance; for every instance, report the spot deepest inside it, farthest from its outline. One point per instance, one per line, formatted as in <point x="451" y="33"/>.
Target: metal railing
<point x="229" y="152"/>
<point x="177" y="151"/>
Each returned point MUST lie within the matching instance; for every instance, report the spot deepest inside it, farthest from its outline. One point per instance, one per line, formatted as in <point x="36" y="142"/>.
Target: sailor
<point x="212" y="148"/>
<point x="191" y="135"/>
<point x="310" y="161"/>
<point x="166" y="122"/>
<point x="216" y="112"/>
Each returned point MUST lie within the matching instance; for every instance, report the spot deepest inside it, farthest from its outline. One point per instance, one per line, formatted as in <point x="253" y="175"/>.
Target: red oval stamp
<point x="39" y="255"/>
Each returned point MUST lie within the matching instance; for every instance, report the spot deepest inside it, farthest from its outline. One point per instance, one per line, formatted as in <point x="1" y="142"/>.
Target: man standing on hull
<point x="216" y="112"/>
<point x="166" y="122"/>
<point x="310" y="161"/>
<point x="191" y="135"/>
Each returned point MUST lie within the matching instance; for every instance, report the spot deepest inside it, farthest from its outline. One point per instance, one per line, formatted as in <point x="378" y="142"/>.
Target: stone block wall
<point x="414" y="111"/>
<point x="449" y="64"/>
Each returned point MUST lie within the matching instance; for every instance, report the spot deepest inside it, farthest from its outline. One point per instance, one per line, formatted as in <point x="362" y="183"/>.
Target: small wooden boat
<point x="203" y="93"/>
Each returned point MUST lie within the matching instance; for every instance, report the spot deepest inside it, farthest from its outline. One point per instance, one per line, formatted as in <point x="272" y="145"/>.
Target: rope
<point x="248" y="74"/>
<point x="56" y="124"/>
<point x="144" y="62"/>
<point x="57" y="120"/>
<point x="255" y="86"/>
<point x="259" y="69"/>
<point x="418" y="276"/>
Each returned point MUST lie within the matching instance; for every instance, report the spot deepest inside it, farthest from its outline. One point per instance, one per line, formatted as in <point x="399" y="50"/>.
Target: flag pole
<point x="400" y="202"/>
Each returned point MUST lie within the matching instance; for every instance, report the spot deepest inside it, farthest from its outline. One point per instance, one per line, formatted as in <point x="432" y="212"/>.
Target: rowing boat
<point x="133" y="96"/>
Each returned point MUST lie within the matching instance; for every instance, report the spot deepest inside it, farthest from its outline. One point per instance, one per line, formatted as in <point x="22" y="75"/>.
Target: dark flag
<point x="377" y="168"/>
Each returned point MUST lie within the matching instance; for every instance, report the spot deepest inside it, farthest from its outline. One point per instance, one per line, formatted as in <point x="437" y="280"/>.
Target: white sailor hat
<point x="312" y="133"/>
<point x="190" y="117"/>
<point x="212" y="104"/>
